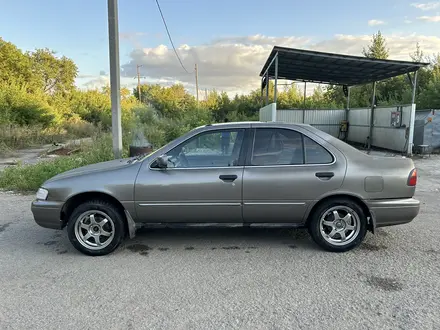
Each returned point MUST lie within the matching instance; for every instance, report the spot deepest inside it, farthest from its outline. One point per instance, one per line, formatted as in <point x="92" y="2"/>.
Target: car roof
<point x="255" y="124"/>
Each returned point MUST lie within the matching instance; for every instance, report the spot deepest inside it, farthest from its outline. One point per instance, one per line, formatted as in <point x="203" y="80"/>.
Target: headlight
<point x="42" y="194"/>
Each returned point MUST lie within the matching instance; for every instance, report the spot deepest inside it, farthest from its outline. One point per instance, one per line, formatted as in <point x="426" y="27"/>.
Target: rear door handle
<point x="228" y="177"/>
<point x="324" y="175"/>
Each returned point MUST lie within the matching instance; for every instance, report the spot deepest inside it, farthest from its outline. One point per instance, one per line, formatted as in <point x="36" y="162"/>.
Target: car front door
<point x="285" y="171"/>
<point x="202" y="182"/>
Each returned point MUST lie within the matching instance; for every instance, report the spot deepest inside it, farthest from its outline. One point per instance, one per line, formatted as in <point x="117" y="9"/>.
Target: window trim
<point x="305" y="153"/>
<point x="248" y="162"/>
<point x="241" y="154"/>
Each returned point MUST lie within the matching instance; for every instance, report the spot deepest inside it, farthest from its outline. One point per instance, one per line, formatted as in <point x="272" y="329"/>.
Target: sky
<point x="229" y="40"/>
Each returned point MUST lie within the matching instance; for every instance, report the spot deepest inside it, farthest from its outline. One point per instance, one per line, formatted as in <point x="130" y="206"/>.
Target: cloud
<point x="102" y="73"/>
<point x="375" y="22"/>
<point x="97" y="82"/>
<point x="429" y="18"/>
<point x="84" y="76"/>
<point x="400" y="45"/>
<point x="131" y="35"/>
<point x="226" y="63"/>
<point x="407" y="21"/>
<point x="427" y="6"/>
<point x="133" y="38"/>
<point x="233" y="64"/>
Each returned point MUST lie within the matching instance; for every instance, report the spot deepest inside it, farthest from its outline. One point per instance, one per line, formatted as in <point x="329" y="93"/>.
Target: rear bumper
<point x="390" y="212"/>
<point x="47" y="213"/>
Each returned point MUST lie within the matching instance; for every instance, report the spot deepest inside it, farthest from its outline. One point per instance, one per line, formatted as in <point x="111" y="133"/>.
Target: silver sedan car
<point x="234" y="174"/>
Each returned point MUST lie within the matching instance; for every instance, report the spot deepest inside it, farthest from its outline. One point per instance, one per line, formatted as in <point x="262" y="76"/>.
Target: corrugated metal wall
<point x="427" y="128"/>
<point x="359" y="121"/>
<point x="266" y="112"/>
<point x="290" y="116"/>
<point x="387" y="136"/>
<point x="325" y="120"/>
<point x="384" y="135"/>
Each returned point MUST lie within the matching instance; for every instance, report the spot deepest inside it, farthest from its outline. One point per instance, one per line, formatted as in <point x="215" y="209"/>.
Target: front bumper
<point x="47" y="213"/>
<point x="390" y="212"/>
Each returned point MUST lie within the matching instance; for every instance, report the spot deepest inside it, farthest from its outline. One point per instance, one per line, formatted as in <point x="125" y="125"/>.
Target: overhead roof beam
<point x="312" y="66"/>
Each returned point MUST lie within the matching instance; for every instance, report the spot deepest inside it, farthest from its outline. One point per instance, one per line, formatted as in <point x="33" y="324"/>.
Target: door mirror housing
<point x="161" y="162"/>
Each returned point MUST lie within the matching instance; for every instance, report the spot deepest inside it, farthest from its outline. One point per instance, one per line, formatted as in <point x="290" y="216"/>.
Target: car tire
<point x="340" y="231"/>
<point x="96" y="228"/>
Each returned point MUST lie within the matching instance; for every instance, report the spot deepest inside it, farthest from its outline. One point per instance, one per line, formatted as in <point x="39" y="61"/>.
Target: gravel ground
<point x="223" y="279"/>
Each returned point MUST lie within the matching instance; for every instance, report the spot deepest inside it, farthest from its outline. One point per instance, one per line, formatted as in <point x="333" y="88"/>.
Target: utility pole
<point x="197" y="83"/>
<point x="139" y="82"/>
<point x="115" y="83"/>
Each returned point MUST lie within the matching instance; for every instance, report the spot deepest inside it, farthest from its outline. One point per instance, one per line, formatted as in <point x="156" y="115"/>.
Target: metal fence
<point x="384" y="133"/>
<point x="427" y="128"/>
<point x="325" y="120"/>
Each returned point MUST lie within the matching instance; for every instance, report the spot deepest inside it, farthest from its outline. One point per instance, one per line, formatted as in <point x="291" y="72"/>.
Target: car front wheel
<point x="338" y="225"/>
<point x="96" y="228"/>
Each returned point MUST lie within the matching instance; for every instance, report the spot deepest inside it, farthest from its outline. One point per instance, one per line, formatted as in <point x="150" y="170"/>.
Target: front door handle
<point x="228" y="177"/>
<point x="325" y="175"/>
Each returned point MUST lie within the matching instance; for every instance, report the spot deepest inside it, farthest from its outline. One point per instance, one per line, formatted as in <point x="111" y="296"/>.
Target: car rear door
<point x="286" y="171"/>
<point x="203" y="182"/>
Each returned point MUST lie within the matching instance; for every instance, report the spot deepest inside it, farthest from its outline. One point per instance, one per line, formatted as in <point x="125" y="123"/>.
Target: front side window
<point x="219" y="148"/>
<point x="277" y="147"/>
<point x="286" y="147"/>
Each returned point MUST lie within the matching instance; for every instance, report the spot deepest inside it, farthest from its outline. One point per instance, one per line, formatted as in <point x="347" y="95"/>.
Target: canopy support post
<point x="348" y="103"/>
<point x="276" y="79"/>
<point x="305" y="93"/>
<point x="412" y="115"/>
<point x="414" y="87"/>
<point x="267" y="87"/>
<point x="373" y="106"/>
<point x="304" y="106"/>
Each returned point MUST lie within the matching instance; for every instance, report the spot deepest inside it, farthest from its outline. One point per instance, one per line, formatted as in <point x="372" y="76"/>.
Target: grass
<point x="5" y="150"/>
<point x="15" y="137"/>
<point x="28" y="178"/>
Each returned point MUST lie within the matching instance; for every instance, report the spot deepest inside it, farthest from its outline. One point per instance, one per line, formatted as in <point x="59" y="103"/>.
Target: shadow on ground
<point x="149" y="240"/>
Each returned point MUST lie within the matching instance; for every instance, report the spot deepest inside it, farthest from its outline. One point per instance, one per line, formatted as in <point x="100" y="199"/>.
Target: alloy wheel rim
<point x="340" y="225"/>
<point x="94" y="230"/>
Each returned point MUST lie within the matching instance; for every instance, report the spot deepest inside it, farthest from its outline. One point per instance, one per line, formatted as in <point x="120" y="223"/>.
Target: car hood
<point x="98" y="167"/>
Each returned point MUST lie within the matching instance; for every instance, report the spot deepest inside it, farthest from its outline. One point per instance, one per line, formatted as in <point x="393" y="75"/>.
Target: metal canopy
<point x="335" y="69"/>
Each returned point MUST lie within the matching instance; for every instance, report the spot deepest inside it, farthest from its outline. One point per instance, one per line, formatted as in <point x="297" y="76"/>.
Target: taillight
<point x="412" y="178"/>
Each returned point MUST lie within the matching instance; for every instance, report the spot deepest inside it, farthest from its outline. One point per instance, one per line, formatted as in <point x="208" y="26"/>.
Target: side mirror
<point x="162" y="161"/>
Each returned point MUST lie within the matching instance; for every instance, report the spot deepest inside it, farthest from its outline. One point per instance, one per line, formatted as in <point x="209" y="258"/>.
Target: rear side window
<point x="315" y="153"/>
<point x="286" y="147"/>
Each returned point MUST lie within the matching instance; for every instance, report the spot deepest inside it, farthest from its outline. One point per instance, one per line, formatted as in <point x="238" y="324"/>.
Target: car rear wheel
<point x="96" y="228"/>
<point x="338" y="225"/>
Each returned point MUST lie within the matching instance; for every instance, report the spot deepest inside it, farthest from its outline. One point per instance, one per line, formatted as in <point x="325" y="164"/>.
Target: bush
<point x="19" y="107"/>
<point x="81" y="129"/>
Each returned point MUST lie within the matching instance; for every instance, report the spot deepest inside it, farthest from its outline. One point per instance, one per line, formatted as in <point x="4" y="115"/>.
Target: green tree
<point x="169" y="101"/>
<point x="377" y="48"/>
<point x="55" y="74"/>
<point x="418" y="54"/>
<point x="16" y="67"/>
<point x="429" y="97"/>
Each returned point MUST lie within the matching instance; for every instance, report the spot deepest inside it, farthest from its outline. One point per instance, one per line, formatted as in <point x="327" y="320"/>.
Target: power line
<point x="171" y="40"/>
